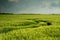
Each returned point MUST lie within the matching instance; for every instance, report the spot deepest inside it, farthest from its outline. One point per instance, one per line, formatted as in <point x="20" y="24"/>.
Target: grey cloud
<point x="13" y="0"/>
<point x="55" y="4"/>
<point x="30" y="6"/>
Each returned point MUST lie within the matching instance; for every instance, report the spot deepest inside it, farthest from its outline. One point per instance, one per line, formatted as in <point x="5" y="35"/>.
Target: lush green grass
<point x="30" y="27"/>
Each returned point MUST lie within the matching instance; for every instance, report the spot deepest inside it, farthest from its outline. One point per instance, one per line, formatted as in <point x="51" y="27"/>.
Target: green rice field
<point x="29" y="26"/>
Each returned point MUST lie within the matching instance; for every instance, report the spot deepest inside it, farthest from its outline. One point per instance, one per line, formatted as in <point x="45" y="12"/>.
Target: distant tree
<point x="6" y="13"/>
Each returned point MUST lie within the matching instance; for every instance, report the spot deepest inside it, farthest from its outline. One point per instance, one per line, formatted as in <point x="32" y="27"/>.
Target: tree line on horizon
<point x="6" y="13"/>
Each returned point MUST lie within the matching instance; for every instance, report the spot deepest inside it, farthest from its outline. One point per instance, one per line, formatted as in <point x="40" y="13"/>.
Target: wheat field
<point x="30" y="27"/>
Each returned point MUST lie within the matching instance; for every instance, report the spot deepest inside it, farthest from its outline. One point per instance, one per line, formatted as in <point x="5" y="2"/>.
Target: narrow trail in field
<point x="36" y="22"/>
<point x="6" y="30"/>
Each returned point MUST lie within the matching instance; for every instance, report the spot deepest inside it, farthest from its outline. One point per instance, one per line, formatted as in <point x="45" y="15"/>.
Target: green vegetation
<point x="30" y="27"/>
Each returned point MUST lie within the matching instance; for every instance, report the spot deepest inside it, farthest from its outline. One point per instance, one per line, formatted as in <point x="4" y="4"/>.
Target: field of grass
<point x="30" y="27"/>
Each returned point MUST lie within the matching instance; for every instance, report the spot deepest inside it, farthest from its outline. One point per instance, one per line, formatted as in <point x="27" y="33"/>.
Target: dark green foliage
<point x="23" y="23"/>
<point x="35" y="26"/>
<point x="48" y="23"/>
<point x="5" y="30"/>
<point x="6" y="13"/>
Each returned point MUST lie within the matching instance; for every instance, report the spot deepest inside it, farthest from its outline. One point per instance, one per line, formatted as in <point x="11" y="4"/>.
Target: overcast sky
<point x="29" y="6"/>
